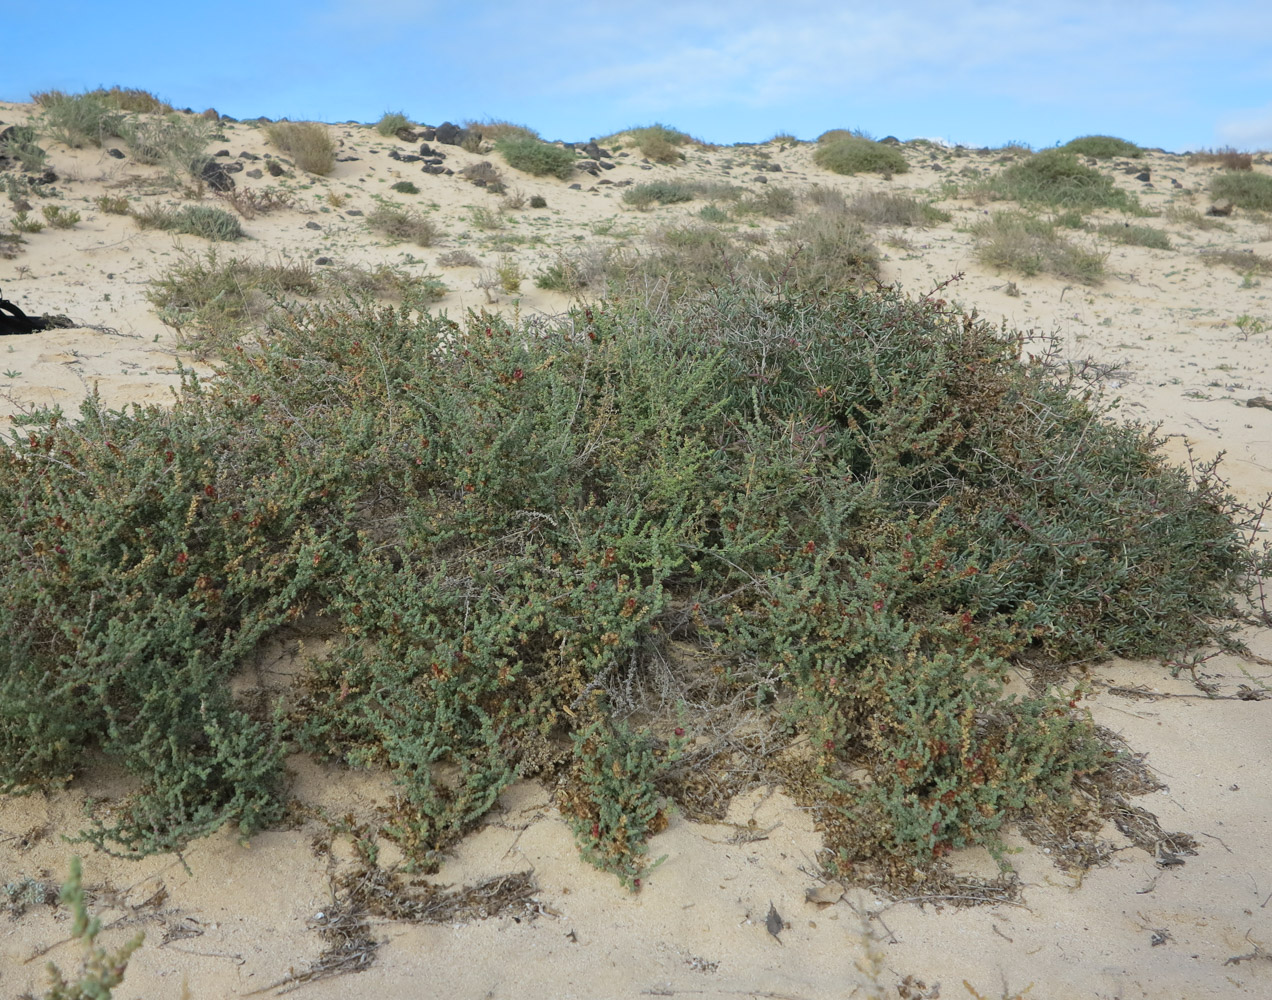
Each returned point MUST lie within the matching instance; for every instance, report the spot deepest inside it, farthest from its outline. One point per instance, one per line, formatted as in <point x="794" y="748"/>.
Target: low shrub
<point x="113" y="204"/>
<point x="309" y="144"/>
<point x="535" y="157"/>
<point x="458" y="258"/>
<point x="885" y="208"/>
<point x="392" y="122"/>
<point x="59" y="217"/>
<point x="663" y="192"/>
<point x="23" y="223"/>
<point x="1227" y="157"/>
<point x="251" y="202"/>
<point x="538" y="201"/>
<point x="1241" y="261"/>
<point x="19" y="143"/>
<point x="1103" y="147"/>
<point x="854" y="155"/>
<point x="404" y="224"/>
<point x="81" y="119"/>
<point x="772" y="200"/>
<point x="1028" y="245"/>
<point x="492" y="130"/>
<point x="658" y="143"/>
<point x="1139" y="236"/>
<point x="176" y="142"/>
<point x="197" y="220"/>
<point x="406" y="187"/>
<point x="1054" y="177"/>
<point x="1245" y="190"/>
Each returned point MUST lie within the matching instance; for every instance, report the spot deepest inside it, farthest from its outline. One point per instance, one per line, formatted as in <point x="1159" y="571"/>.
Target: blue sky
<point x="1178" y="75"/>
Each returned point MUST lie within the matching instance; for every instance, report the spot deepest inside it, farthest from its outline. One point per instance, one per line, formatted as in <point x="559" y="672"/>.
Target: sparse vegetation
<point x="406" y="187"/>
<point x="404" y="224"/>
<point x="1028" y="245"/>
<point x="1245" y="190"/>
<point x="853" y="154"/>
<point x="1103" y="147"/>
<point x="658" y="143"/>
<point x="23" y="223"/>
<point x="1242" y="261"/>
<point x="772" y="200"/>
<point x="176" y="142"/>
<point x="536" y="157"/>
<point x="493" y="130"/>
<point x="309" y="144"/>
<point x="59" y="217"/>
<point x="81" y="119"/>
<point x="251" y="202"/>
<point x="886" y="208"/>
<point x="1228" y="158"/>
<point x="20" y="144"/>
<point x="113" y="204"/>
<point x="458" y="258"/>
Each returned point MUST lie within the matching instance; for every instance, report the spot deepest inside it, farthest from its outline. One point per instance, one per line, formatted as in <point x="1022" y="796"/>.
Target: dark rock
<point x="222" y="152"/>
<point x="427" y="134"/>
<point x="312" y="225"/>
<point x="216" y="177"/>
<point x="275" y="168"/>
<point x="606" y="165"/>
<point x="426" y="150"/>
<point x="761" y="179"/>
<point x="353" y="211"/>
<point x="479" y="182"/>
<point x="1143" y="175"/>
<point x="255" y="174"/>
<point x="449" y="134"/>
<point x="576" y="187"/>
<point x="210" y="115"/>
<point x="1174" y="183"/>
<point x="593" y="151"/>
<point x="936" y="166"/>
<point x="348" y="159"/>
<point x="410" y="158"/>
<point x="48" y="177"/>
<point x="449" y="172"/>
<point x="1222" y="211"/>
<point x="323" y="261"/>
<point x="232" y="167"/>
<point x="433" y="168"/>
<point x="248" y="156"/>
<point x="889" y="140"/>
<point x="116" y="153"/>
<point x="773" y="168"/>
<point x="406" y="134"/>
<point x="227" y="118"/>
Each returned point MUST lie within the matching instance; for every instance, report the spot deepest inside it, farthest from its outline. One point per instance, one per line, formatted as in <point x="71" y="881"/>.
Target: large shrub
<point x="525" y="152"/>
<point x="844" y="515"/>
<point x="852" y="154"/>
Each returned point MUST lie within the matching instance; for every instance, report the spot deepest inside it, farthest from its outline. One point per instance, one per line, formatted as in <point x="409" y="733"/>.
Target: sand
<point x="244" y="916"/>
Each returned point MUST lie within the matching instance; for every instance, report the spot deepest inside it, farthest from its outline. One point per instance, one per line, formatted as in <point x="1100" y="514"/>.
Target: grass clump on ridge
<point x="854" y="154"/>
<point x="392" y="122"/>
<point x="309" y="144"/>
<point x="1103" y="147"/>
<point x="534" y="156"/>
<point x="595" y="549"/>
<point x="1244" y="189"/>
<point x="663" y="192"/>
<point x="1028" y="245"/>
<point x="658" y="143"/>
<point x="1055" y="178"/>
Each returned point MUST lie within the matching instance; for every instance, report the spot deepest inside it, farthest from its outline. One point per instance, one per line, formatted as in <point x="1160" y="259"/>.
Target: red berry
<point x="680" y="731"/>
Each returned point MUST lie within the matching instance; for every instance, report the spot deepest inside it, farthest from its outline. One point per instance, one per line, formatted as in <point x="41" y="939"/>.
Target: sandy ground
<point x="245" y="916"/>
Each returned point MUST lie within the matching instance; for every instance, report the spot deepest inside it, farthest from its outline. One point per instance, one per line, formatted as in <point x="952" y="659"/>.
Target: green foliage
<point x="853" y="154"/>
<point x="611" y="798"/>
<point x="309" y="144"/>
<point x="176" y="142"/>
<point x="100" y="970"/>
<point x="662" y="192"/>
<point x="658" y="143"/>
<point x="536" y="157"/>
<point x="214" y="224"/>
<point x="1103" y="147"/>
<point x="406" y="187"/>
<point x="773" y="201"/>
<point x="1139" y="236"/>
<point x="59" y="217"/>
<point x="538" y="201"/>
<point x="1055" y="177"/>
<point x="1029" y="245"/>
<point x="82" y="119"/>
<point x="23" y="223"/>
<point x="492" y="130"/>
<point x="1244" y="189"/>
<point x="20" y="145"/>
<point x="113" y="204"/>
<point x="852" y="509"/>
<point x="392" y="122"/>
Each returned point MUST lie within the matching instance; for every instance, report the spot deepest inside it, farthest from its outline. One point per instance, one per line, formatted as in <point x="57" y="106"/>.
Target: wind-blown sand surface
<point x="245" y="916"/>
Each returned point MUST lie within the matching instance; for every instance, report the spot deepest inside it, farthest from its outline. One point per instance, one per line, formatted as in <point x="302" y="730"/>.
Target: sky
<point x="1175" y="75"/>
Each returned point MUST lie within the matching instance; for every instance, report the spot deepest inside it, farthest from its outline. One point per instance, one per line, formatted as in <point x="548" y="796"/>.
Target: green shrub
<point x="113" y="204"/>
<point x="836" y="519"/>
<point x="662" y="192"/>
<point x="655" y="142"/>
<point x="1103" y="147"/>
<point x="1028" y="245"/>
<point x="492" y="130"/>
<point x="197" y="220"/>
<point x="1139" y="236"/>
<point x="855" y="155"/>
<point x="309" y="144"/>
<point x="536" y="157"/>
<point x="59" y="217"/>
<point x="23" y="223"/>
<point x="1055" y="177"/>
<point x="538" y="201"/>
<point x="773" y="201"/>
<point x="1244" y="189"/>
<point x="176" y="142"/>
<point x="713" y="213"/>
<point x="20" y="145"/>
<point x="81" y="120"/>
<point x="404" y="224"/>
<point x="392" y="122"/>
<point x="406" y="187"/>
